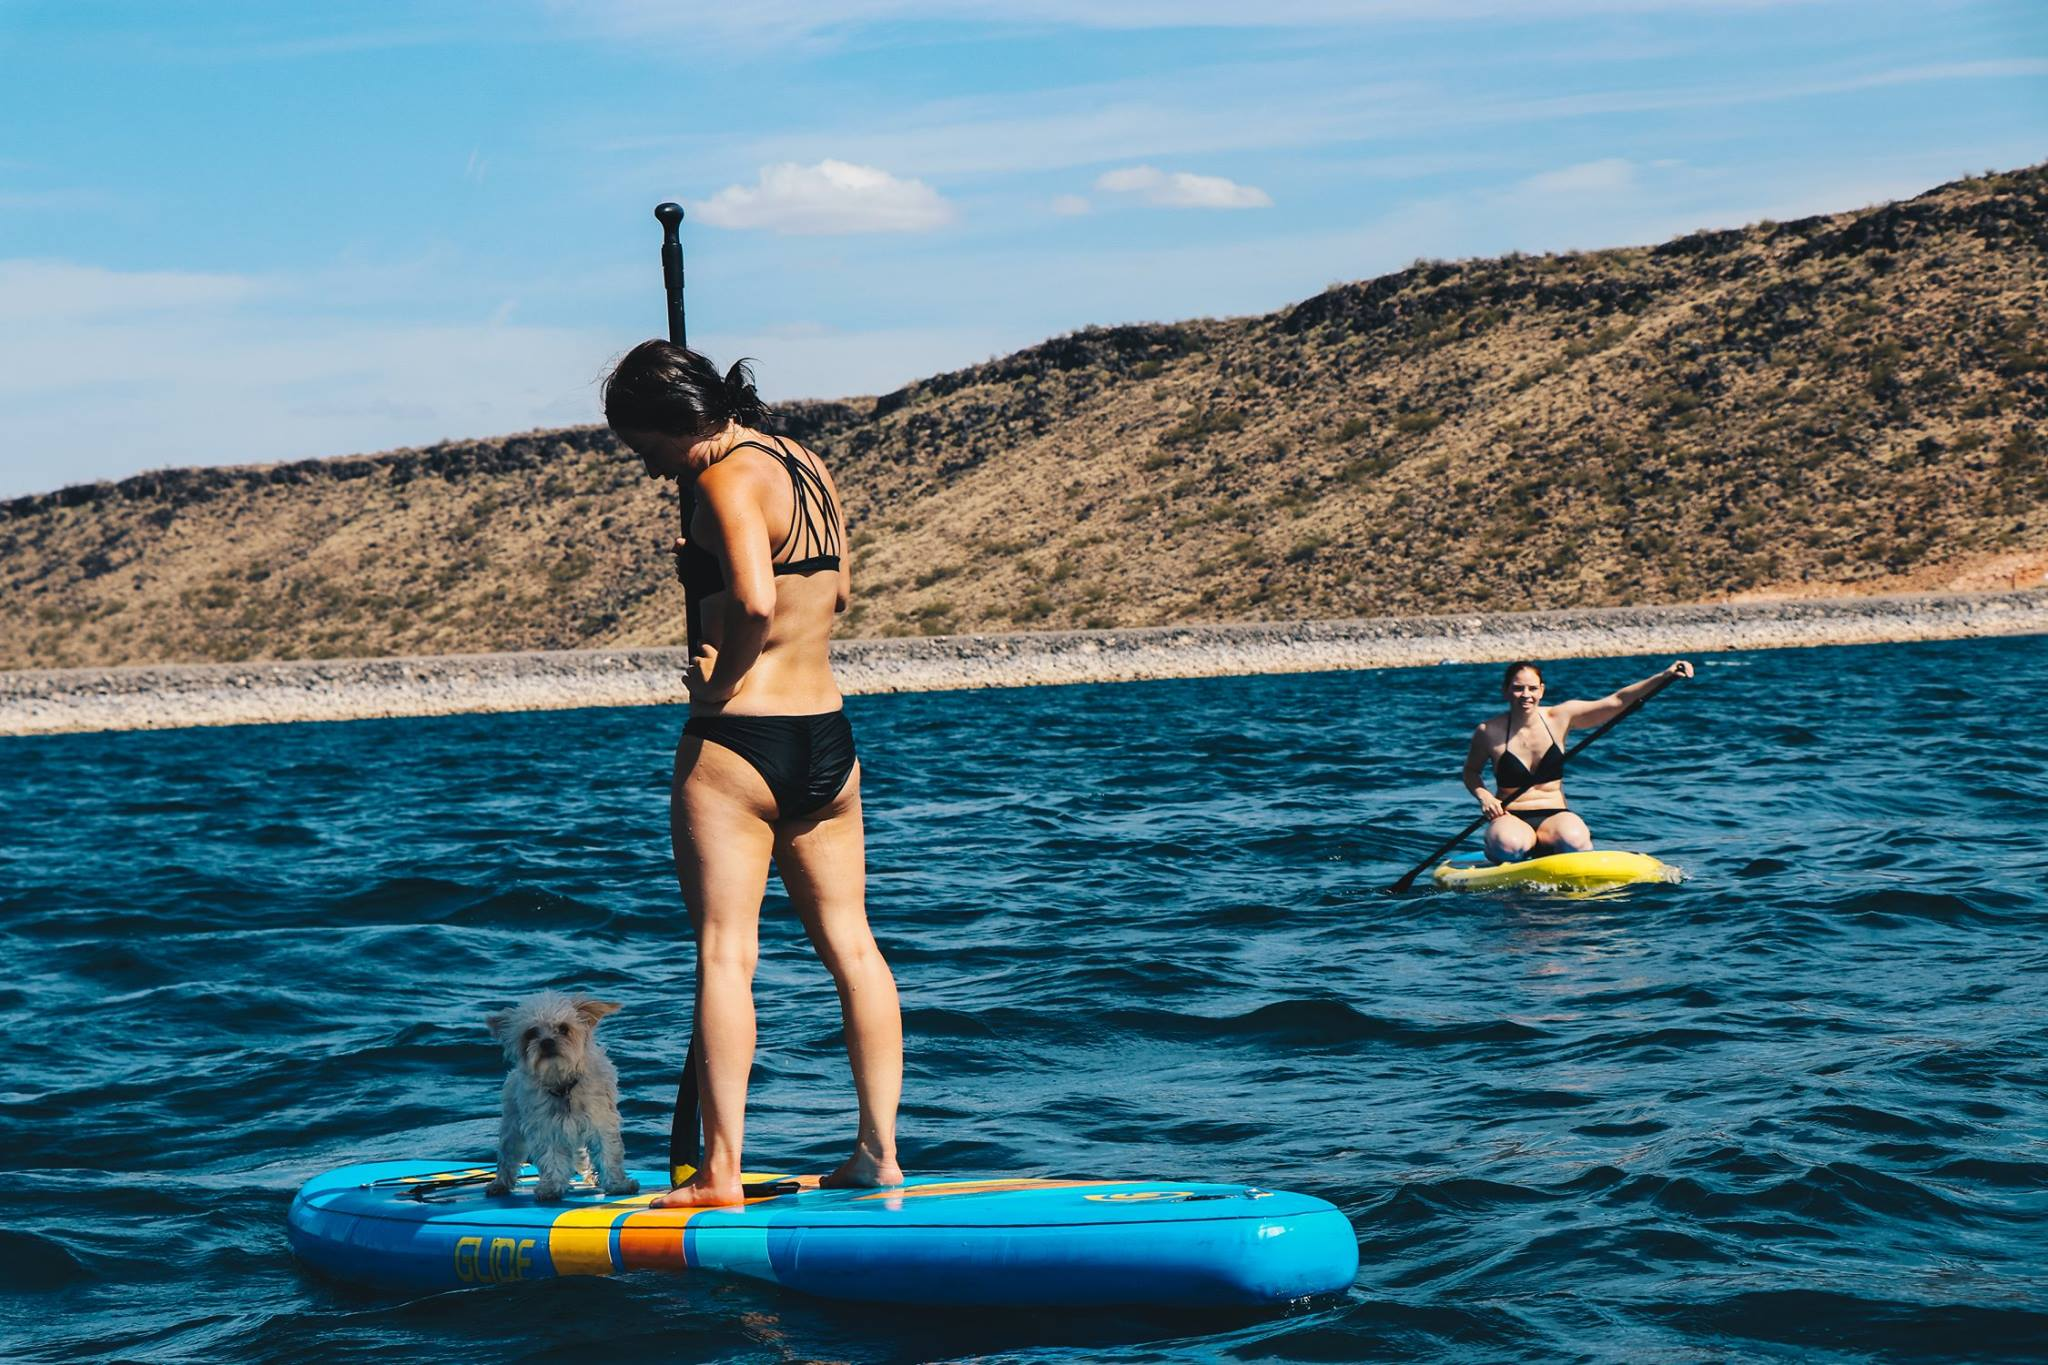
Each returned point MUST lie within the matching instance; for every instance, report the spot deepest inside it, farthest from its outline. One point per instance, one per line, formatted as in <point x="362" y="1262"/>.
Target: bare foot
<point x="864" y="1170"/>
<point x="700" y="1195"/>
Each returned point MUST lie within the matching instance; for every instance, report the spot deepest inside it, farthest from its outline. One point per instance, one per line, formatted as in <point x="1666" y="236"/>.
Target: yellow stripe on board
<point x="580" y="1239"/>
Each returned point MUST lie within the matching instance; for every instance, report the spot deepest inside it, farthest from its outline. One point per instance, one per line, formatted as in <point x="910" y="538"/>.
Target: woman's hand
<point x="1681" y="669"/>
<point x="1490" y="805"/>
<point x="698" y="680"/>
<point x="677" y="550"/>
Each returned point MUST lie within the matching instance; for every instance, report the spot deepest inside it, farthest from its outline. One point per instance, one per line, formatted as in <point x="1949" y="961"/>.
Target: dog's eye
<point x="530" y="1035"/>
<point x="562" y="1029"/>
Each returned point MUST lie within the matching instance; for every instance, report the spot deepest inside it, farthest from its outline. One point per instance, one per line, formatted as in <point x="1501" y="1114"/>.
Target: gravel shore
<point x="155" y="697"/>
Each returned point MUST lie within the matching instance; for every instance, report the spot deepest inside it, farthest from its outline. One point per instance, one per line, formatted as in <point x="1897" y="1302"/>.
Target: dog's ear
<point x="594" y="1010"/>
<point x="495" y="1021"/>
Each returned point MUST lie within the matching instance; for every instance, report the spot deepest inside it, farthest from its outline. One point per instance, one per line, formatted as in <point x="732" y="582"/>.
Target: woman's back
<point x="779" y="506"/>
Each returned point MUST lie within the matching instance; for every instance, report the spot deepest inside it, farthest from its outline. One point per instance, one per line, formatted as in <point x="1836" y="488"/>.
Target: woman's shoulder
<point x="745" y="462"/>
<point x="770" y="449"/>
<point x="792" y="444"/>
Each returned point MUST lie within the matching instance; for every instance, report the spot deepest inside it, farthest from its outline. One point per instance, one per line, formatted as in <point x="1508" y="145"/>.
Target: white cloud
<point x="216" y="375"/>
<point x="770" y="23"/>
<point x="1154" y="119"/>
<point x="1588" y="177"/>
<point x="60" y="200"/>
<point x="1071" y="205"/>
<point x="1182" y="190"/>
<point x="42" y="291"/>
<point x="830" y="198"/>
<point x="1080" y="126"/>
<point x="219" y="375"/>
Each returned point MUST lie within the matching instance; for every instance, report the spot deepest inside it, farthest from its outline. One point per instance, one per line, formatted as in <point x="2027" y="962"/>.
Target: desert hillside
<point x="1854" y="402"/>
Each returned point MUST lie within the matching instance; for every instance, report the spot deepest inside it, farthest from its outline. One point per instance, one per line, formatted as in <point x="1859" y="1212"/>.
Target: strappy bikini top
<point x="1510" y="771"/>
<point x="812" y="544"/>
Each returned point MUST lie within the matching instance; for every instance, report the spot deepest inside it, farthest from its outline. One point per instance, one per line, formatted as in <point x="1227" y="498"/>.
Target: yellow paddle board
<point x="1574" y="871"/>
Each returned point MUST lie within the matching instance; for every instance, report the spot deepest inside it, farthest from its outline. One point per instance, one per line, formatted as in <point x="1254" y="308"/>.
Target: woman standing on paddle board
<point x="1528" y="813"/>
<point x="766" y="768"/>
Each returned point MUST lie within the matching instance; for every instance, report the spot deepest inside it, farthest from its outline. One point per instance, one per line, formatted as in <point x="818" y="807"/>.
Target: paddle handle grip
<point x="671" y="218"/>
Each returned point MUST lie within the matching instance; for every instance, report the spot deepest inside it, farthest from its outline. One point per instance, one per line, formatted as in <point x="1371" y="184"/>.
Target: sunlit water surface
<point x="1791" y="1108"/>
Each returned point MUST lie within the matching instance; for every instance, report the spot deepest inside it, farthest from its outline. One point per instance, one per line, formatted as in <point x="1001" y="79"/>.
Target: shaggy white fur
<point x="561" y="1098"/>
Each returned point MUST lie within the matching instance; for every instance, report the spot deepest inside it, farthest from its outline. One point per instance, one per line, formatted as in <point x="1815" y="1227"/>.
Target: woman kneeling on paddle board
<point x="1528" y="814"/>
<point x="766" y="768"/>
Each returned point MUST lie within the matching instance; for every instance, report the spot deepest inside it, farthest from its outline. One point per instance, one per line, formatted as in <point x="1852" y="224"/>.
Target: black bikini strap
<point x="814" y="520"/>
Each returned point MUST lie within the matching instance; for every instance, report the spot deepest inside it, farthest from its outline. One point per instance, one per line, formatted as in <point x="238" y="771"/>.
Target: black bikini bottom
<point x="1537" y="817"/>
<point x="805" y="760"/>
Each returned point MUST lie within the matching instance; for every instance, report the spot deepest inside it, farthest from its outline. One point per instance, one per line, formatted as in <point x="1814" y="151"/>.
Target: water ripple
<point x="1791" y="1108"/>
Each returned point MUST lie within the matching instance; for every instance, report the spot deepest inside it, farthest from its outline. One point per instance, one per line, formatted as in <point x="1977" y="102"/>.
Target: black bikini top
<point x="1510" y="771"/>
<point x="812" y="544"/>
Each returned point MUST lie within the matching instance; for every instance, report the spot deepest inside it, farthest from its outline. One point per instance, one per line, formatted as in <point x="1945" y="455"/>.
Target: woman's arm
<point x="1475" y="773"/>
<point x="731" y="493"/>
<point x="1608" y="707"/>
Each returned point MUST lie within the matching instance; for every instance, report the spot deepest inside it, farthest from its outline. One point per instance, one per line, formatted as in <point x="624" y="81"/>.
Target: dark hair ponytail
<point x="661" y="387"/>
<point x="743" y="405"/>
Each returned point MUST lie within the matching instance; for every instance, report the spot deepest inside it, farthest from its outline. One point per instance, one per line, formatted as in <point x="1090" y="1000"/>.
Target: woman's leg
<point x="719" y="818"/>
<point x="823" y="861"/>
<point x="1509" y="839"/>
<point x="1564" y="832"/>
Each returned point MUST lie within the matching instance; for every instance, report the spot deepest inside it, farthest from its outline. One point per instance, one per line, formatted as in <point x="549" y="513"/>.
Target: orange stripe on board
<point x="652" y="1239"/>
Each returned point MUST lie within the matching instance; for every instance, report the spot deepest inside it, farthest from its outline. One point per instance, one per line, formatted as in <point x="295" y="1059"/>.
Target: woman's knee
<point x="1509" y="839"/>
<point x="727" y="955"/>
<point x="851" y="957"/>
<point x="1567" y="836"/>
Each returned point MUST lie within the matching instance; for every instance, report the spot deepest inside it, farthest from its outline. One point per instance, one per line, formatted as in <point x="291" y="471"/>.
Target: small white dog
<point x="561" y="1098"/>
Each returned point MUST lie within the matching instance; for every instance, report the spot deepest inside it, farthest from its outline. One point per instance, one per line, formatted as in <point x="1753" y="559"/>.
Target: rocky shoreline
<point x="154" y="697"/>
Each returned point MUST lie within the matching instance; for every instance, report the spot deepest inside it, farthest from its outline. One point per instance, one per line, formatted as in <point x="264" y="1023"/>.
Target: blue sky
<point x="240" y="232"/>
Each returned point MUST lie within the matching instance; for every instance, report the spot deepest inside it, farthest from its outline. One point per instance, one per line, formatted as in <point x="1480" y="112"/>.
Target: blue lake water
<point x="1793" y="1108"/>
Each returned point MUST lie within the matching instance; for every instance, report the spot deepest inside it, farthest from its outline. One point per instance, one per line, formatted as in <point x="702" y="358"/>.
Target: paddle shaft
<point x="1573" y="752"/>
<point x="685" y="1134"/>
<point x="686" y="1130"/>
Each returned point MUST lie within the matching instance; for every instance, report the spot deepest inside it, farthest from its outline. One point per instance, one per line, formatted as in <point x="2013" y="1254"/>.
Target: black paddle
<point x="686" y="1132"/>
<point x="1409" y="880"/>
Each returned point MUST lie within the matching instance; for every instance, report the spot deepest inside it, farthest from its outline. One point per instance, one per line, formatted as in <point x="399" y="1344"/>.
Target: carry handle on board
<point x="1447" y="845"/>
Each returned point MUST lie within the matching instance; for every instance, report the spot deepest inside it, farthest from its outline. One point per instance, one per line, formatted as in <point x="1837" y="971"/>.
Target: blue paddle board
<point x="421" y="1226"/>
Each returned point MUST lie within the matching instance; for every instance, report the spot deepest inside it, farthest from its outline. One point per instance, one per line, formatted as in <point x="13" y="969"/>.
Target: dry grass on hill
<point x="1853" y="402"/>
